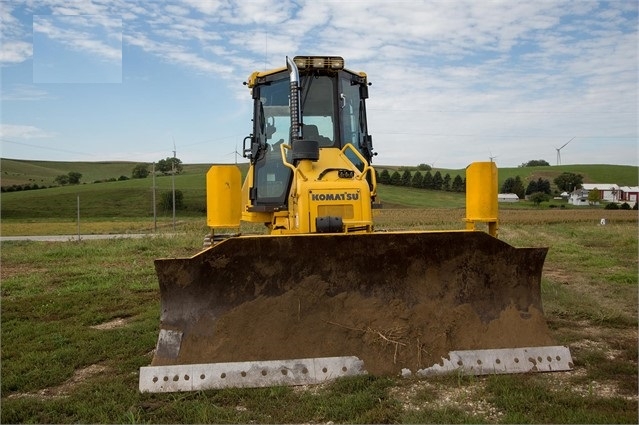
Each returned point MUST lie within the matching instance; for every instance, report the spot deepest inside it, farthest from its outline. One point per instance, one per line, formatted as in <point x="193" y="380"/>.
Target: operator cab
<point x="333" y="114"/>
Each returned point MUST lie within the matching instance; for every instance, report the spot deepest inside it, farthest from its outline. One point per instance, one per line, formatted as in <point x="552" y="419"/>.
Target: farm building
<point x="507" y="197"/>
<point x="629" y="194"/>
<point x="578" y="197"/>
<point x="607" y="192"/>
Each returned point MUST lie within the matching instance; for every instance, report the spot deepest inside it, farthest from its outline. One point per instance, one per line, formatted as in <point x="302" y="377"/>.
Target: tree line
<point x="539" y="190"/>
<point x="164" y="166"/>
<point x="140" y="171"/>
<point x="427" y="180"/>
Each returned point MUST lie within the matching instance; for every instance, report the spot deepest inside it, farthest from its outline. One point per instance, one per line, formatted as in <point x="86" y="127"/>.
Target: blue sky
<point x="452" y="81"/>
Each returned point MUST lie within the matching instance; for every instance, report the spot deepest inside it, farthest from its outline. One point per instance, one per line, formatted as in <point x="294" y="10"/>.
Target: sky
<point x="453" y="81"/>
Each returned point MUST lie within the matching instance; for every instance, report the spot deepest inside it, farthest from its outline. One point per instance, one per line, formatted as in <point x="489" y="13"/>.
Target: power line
<point x="496" y="136"/>
<point x="472" y="111"/>
<point x="44" y="147"/>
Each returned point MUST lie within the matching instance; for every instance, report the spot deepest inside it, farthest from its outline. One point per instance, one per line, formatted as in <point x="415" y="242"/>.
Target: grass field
<point x="133" y="199"/>
<point x="16" y="171"/>
<point x="80" y="318"/>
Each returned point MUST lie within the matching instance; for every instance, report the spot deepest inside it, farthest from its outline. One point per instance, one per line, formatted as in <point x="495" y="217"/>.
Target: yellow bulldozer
<point x="321" y="294"/>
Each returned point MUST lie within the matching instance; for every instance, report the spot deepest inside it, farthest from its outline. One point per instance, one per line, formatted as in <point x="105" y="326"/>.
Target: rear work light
<point x="319" y="62"/>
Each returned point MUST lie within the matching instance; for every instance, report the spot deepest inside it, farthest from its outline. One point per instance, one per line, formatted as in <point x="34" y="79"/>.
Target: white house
<point x="507" y="197"/>
<point x="578" y="197"/>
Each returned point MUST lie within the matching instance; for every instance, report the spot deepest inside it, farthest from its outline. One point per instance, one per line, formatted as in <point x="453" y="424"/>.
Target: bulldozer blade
<point x="396" y="300"/>
<point x="157" y="379"/>
<point x="502" y="361"/>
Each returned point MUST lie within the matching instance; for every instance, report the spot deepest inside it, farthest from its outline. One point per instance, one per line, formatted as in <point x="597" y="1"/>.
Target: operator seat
<point x="312" y="133"/>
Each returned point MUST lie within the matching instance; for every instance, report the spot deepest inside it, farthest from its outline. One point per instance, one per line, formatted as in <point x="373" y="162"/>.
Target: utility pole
<point x="155" y="215"/>
<point x="173" y="181"/>
<point x="78" y="208"/>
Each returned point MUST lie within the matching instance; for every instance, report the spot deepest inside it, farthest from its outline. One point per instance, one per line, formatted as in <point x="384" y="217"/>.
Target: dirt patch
<point x="574" y="381"/>
<point x="419" y="395"/>
<point x="119" y="322"/>
<point x="65" y="388"/>
<point x="559" y="276"/>
<point x="11" y="270"/>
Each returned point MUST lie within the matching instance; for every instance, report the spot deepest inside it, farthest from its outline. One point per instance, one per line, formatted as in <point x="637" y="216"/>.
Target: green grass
<point x="129" y="198"/>
<point x="527" y="400"/>
<point x="408" y="197"/>
<point x="18" y="171"/>
<point x="52" y="293"/>
<point x="134" y="198"/>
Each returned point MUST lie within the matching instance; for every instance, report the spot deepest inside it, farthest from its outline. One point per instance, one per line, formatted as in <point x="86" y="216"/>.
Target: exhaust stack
<point x="296" y="108"/>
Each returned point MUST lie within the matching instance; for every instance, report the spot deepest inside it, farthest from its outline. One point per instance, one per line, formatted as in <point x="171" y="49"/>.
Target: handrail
<point x="283" y="148"/>
<point x="367" y="167"/>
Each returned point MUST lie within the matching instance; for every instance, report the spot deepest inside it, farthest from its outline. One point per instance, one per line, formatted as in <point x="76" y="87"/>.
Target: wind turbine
<point x="559" y="151"/>
<point x="235" y="153"/>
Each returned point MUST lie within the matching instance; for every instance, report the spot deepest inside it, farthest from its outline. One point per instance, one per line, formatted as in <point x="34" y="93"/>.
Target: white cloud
<point x="14" y="52"/>
<point x="84" y="33"/>
<point x="177" y="54"/>
<point x="17" y="131"/>
<point x="24" y="92"/>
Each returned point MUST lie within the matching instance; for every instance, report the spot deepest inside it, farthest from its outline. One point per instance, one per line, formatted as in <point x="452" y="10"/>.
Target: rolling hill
<point x="43" y="173"/>
<point x="134" y="197"/>
<point x="19" y="171"/>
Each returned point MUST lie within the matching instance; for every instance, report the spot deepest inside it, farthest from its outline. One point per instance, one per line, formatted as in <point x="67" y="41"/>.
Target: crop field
<point x="80" y="318"/>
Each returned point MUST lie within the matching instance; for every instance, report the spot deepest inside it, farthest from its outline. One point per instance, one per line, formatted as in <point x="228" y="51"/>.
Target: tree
<point x="593" y="196"/>
<point x="569" y="181"/>
<point x="384" y="177"/>
<point x="62" y="179"/>
<point x="166" y="200"/>
<point x="427" y="183"/>
<point x="543" y="185"/>
<point x="535" y="163"/>
<point x="166" y="166"/>
<point x="417" y="180"/>
<point x="539" y="185"/>
<point x="458" y="184"/>
<point x="140" y="171"/>
<point x="514" y="185"/>
<point x="531" y="188"/>
<point x="424" y="167"/>
<point x="74" y="177"/>
<point x="538" y="197"/>
<point x="611" y="206"/>
<point x="446" y="183"/>
<point x="395" y="179"/>
<point x="406" y="178"/>
<point x="438" y="181"/>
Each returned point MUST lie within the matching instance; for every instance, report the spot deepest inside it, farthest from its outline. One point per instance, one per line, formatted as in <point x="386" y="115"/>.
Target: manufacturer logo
<point x="346" y="196"/>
